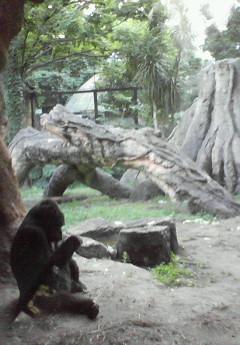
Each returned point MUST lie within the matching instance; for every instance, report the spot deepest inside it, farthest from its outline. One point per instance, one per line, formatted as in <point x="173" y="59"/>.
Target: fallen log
<point x="87" y="145"/>
<point x="31" y="147"/>
<point x="65" y="175"/>
<point x="176" y="174"/>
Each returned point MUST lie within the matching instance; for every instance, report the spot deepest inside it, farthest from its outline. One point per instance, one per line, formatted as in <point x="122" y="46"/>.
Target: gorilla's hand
<point x="66" y="250"/>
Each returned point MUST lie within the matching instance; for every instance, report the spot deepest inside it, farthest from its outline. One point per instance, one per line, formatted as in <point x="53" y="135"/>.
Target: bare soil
<point x="136" y="309"/>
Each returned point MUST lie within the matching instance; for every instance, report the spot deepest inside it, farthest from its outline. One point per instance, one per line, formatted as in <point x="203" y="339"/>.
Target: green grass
<point x="31" y="193"/>
<point x="174" y="273"/>
<point x="113" y="210"/>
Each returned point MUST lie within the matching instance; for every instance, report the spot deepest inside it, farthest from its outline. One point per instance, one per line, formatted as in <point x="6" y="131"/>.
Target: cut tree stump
<point x="148" y="246"/>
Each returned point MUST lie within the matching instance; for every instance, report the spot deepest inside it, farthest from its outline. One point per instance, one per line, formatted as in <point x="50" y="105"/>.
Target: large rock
<point x="152" y="239"/>
<point x="94" y="249"/>
<point x="97" y="229"/>
<point x="147" y="246"/>
<point x="145" y="190"/>
<point x="144" y="187"/>
<point x="132" y="177"/>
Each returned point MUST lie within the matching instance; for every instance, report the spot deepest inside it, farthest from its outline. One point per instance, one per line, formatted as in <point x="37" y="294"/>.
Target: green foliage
<point x="224" y="44"/>
<point x="149" y="54"/>
<point x="13" y="97"/>
<point x="39" y="176"/>
<point x="174" y="273"/>
<point x="126" y="258"/>
<point x="188" y="80"/>
<point x="63" y="43"/>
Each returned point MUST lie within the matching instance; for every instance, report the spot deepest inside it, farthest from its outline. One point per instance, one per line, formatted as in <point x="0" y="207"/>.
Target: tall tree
<point x="11" y="206"/>
<point x="225" y="44"/>
<point x="68" y="33"/>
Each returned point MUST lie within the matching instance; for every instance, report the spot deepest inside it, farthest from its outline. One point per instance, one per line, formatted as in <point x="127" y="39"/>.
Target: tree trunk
<point x="209" y="132"/>
<point x="65" y="175"/>
<point x="14" y="98"/>
<point x="11" y="206"/>
<point x="155" y="119"/>
<point x="88" y="144"/>
<point x="3" y="121"/>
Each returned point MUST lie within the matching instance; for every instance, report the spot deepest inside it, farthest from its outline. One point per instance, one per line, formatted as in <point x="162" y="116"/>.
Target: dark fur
<point x="32" y="260"/>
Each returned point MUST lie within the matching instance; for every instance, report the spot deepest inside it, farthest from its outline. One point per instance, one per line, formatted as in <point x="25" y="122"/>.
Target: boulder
<point x="147" y="246"/>
<point x="144" y="187"/>
<point x="145" y="190"/>
<point x="147" y="242"/>
<point x="132" y="177"/>
<point x="93" y="249"/>
<point x="96" y="228"/>
<point x="99" y="229"/>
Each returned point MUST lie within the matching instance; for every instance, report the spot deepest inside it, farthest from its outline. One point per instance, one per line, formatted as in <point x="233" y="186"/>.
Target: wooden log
<point x="175" y="173"/>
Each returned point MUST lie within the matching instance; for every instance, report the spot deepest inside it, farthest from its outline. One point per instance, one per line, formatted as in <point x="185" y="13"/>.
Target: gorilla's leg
<point x="65" y="302"/>
<point x="77" y="285"/>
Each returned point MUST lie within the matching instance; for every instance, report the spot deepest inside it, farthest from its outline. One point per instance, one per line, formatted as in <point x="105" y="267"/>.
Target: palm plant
<point x="155" y="67"/>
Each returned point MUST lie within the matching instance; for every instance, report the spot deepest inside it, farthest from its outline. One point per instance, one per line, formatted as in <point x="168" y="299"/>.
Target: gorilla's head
<point x="47" y="215"/>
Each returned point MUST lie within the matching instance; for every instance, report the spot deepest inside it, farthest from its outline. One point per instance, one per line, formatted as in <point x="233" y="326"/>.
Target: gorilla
<point x="45" y="272"/>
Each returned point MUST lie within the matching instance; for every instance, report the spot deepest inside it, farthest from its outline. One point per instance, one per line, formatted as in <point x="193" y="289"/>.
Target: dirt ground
<point x="136" y="309"/>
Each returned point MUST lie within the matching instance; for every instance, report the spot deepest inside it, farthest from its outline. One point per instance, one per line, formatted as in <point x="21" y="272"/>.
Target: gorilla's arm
<point x="32" y="259"/>
<point x="64" y="253"/>
<point x="31" y="254"/>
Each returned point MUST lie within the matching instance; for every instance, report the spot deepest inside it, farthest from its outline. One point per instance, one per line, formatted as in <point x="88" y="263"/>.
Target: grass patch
<point x="108" y="209"/>
<point x="113" y="210"/>
<point x="174" y="273"/>
<point x="31" y="194"/>
<point x="35" y="193"/>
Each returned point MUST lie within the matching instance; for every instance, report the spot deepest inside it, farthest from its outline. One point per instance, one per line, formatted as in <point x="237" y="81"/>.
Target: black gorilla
<point x="40" y="270"/>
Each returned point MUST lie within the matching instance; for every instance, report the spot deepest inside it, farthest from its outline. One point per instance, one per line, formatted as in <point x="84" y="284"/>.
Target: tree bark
<point x="11" y="206"/>
<point x="14" y="97"/>
<point x="97" y="179"/>
<point x="84" y="143"/>
<point x="209" y="132"/>
<point x="31" y="147"/>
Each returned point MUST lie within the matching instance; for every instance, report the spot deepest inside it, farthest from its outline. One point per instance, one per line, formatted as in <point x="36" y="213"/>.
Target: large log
<point x="31" y="147"/>
<point x="175" y="173"/>
<point x="74" y="141"/>
<point x="65" y="175"/>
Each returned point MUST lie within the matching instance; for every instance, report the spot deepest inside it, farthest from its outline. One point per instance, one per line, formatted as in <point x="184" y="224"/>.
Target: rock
<point x="145" y="191"/>
<point x="94" y="249"/>
<point x="96" y="232"/>
<point x="132" y="177"/>
<point x="147" y="246"/>
<point x="145" y="188"/>
<point x="97" y="229"/>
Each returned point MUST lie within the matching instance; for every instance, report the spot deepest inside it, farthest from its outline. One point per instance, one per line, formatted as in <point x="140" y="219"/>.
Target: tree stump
<point x="147" y="246"/>
<point x="209" y="132"/>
